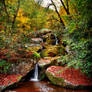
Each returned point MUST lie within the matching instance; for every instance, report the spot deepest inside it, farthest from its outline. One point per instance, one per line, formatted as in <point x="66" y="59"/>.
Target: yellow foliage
<point x="12" y="2"/>
<point x="20" y="13"/>
<point x="23" y="25"/>
<point x="63" y="13"/>
<point x="22" y="18"/>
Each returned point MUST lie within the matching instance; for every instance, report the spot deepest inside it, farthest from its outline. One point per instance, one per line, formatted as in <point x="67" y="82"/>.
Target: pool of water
<point x="42" y="86"/>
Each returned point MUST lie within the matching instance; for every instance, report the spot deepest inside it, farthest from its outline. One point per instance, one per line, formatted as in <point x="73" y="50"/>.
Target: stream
<point x="35" y="85"/>
<point x="42" y="86"/>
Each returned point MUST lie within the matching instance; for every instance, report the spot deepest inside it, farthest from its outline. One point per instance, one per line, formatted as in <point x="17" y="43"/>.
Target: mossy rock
<point x="68" y="78"/>
<point x="49" y="51"/>
<point x="52" y="51"/>
<point x="34" y="48"/>
<point x="47" y="61"/>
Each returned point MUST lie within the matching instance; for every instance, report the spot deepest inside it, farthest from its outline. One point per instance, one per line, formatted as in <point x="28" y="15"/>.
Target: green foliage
<point x="28" y="20"/>
<point x="84" y="8"/>
<point x="78" y="36"/>
<point x="32" y="17"/>
<point x="36" y="13"/>
<point x="4" y="66"/>
<point x="80" y="56"/>
<point x="36" y="55"/>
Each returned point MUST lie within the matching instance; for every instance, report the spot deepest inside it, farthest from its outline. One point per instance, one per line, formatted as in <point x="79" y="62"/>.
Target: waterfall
<point x="35" y="75"/>
<point x="56" y="40"/>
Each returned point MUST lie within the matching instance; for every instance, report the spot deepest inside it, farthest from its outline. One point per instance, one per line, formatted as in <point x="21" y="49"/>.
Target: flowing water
<point x="56" y="40"/>
<point x="35" y="74"/>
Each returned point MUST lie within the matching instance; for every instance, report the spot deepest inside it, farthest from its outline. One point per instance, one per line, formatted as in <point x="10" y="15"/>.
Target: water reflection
<point x="42" y="87"/>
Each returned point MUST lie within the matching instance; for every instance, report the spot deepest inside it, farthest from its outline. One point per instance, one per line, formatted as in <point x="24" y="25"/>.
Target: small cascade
<point x="35" y="75"/>
<point x="56" y="40"/>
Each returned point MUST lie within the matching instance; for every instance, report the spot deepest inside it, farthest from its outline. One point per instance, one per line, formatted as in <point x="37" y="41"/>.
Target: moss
<point x="50" y="49"/>
<point x="55" y="80"/>
<point x="61" y="82"/>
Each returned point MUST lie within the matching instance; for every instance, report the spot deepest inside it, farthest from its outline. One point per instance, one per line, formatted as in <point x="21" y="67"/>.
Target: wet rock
<point x="68" y="77"/>
<point x="43" y="32"/>
<point x="37" y="40"/>
<point x="22" y="67"/>
<point x="43" y="62"/>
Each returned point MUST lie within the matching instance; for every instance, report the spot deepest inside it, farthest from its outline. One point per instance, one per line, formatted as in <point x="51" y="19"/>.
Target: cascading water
<point x="56" y="40"/>
<point x="35" y="75"/>
<point x="36" y="70"/>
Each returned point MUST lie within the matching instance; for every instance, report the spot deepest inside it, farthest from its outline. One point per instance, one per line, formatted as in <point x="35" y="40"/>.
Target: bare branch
<point x="67" y="4"/>
<point x="66" y="9"/>
<point x="61" y="21"/>
<point x="49" y="6"/>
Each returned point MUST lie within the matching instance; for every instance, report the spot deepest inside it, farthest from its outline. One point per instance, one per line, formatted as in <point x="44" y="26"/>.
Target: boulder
<point x="43" y="32"/>
<point x="37" y="40"/>
<point x="68" y="77"/>
<point x="19" y="62"/>
<point x="43" y="62"/>
<point x="49" y="51"/>
<point x="21" y="67"/>
<point x="6" y="80"/>
<point x="49" y="38"/>
<point x="52" y="51"/>
<point x="33" y="47"/>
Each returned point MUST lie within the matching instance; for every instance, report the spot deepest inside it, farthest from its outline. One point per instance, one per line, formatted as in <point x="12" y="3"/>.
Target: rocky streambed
<point x="45" y="50"/>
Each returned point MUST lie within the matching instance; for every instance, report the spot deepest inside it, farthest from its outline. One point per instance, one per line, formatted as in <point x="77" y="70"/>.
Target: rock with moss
<point x="50" y="38"/>
<point x="51" y="51"/>
<point x="68" y="77"/>
<point x="47" y="61"/>
<point x="34" y="47"/>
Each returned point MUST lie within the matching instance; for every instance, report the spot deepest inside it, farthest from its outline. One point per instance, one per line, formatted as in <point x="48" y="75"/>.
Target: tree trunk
<point x="66" y="9"/>
<point x="61" y="21"/>
<point x="5" y="8"/>
<point x="14" y="19"/>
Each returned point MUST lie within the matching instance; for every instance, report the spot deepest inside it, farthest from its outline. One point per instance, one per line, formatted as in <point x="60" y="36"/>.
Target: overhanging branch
<point x="61" y="21"/>
<point x="66" y="9"/>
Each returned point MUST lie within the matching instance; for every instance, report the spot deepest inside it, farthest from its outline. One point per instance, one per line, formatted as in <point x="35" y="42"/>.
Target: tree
<point x="10" y="12"/>
<point x="15" y="15"/>
<point x="66" y="7"/>
<point x="53" y="4"/>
